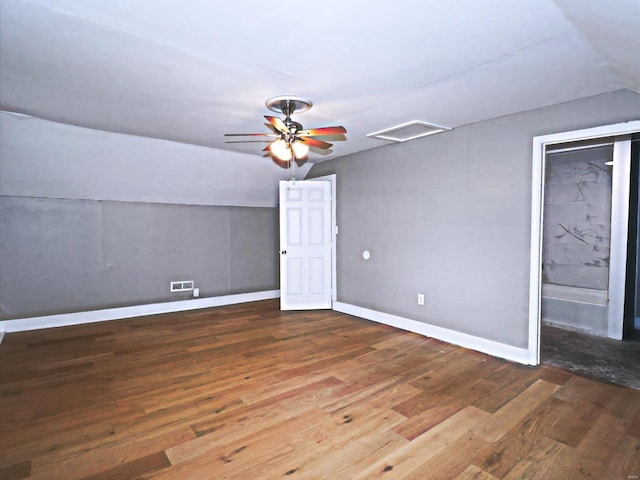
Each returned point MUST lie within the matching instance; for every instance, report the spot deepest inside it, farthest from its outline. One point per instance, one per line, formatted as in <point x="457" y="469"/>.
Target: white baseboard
<point x="79" y="318"/>
<point x="520" y="355"/>
<point x="497" y="349"/>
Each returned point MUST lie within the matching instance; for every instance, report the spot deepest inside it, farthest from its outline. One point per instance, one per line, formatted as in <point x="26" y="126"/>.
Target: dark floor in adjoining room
<point x="612" y="361"/>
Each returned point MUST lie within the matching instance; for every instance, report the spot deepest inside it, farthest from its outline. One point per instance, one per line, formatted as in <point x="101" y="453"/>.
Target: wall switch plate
<point x="420" y="299"/>
<point x="196" y="292"/>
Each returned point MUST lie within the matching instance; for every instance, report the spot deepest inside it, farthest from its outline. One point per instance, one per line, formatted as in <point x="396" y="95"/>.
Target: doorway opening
<point x="584" y="270"/>
<point x="576" y="236"/>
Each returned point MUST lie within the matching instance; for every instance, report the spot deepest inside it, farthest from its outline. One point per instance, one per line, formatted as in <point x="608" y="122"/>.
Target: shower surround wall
<point x="577" y="231"/>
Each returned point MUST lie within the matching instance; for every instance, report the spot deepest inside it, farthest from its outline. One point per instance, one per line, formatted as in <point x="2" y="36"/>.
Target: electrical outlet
<point x="420" y="299"/>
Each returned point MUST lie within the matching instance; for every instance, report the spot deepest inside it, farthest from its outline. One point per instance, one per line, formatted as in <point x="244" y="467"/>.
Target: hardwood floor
<point x="249" y="392"/>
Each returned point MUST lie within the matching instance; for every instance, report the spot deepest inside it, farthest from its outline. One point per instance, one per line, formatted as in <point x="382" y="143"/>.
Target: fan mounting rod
<point x="287" y="104"/>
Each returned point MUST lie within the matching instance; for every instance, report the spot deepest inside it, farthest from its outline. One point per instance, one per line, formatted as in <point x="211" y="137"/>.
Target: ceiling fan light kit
<point x="300" y="149"/>
<point x="290" y="141"/>
<point x="281" y="150"/>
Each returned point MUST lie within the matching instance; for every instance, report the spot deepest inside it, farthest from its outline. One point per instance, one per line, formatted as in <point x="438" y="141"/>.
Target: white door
<point x="305" y="245"/>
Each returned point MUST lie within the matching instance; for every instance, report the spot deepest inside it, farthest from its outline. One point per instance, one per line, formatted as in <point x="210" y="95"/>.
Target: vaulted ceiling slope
<point x="191" y="71"/>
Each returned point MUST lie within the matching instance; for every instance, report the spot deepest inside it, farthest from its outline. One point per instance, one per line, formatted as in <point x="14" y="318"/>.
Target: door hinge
<point x="335" y="230"/>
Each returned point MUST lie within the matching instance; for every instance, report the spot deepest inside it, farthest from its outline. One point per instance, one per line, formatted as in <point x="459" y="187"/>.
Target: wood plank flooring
<point x="248" y="392"/>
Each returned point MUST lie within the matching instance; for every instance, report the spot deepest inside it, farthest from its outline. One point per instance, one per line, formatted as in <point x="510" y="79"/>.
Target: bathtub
<point x="576" y="308"/>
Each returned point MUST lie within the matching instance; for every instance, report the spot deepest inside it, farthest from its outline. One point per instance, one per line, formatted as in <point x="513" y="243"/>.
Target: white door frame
<point x="334" y="229"/>
<point x="537" y="195"/>
<point x="619" y="232"/>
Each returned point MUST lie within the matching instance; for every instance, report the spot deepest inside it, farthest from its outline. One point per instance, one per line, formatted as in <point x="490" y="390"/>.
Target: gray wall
<point x="60" y="256"/>
<point x="449" y="216"/>
<point x="92" y="219"/>
<point x="40" y="158"/>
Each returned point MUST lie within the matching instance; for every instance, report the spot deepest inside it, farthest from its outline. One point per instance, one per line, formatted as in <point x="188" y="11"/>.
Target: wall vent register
<point x="182" y="286"/>
<point x="408" y="131"/>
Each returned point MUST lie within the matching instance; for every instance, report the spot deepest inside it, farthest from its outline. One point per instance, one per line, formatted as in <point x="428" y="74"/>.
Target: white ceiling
<point x="191" y="70"/>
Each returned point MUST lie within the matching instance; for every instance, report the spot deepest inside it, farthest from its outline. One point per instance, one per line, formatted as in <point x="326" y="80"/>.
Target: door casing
<point x="537" y="201"/>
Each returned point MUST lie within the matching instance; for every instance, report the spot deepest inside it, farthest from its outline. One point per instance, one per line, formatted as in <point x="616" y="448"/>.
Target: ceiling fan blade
<point x="318" y="132"/>
<point x="272" y="128"/>
<point x="250" y="135"/>
<point x="314" y="142"/>
<point x="332" y="138"/>
<point x="321" y="151"/>
<point x="277" y="123"/>
<point x="248" y="141"/>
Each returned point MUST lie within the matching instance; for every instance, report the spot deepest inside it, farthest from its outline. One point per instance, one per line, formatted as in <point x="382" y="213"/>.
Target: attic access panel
<point x="408" y="131"/>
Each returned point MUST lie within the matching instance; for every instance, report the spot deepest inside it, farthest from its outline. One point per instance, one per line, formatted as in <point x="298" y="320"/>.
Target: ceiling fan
<point x="288" y="140"/>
